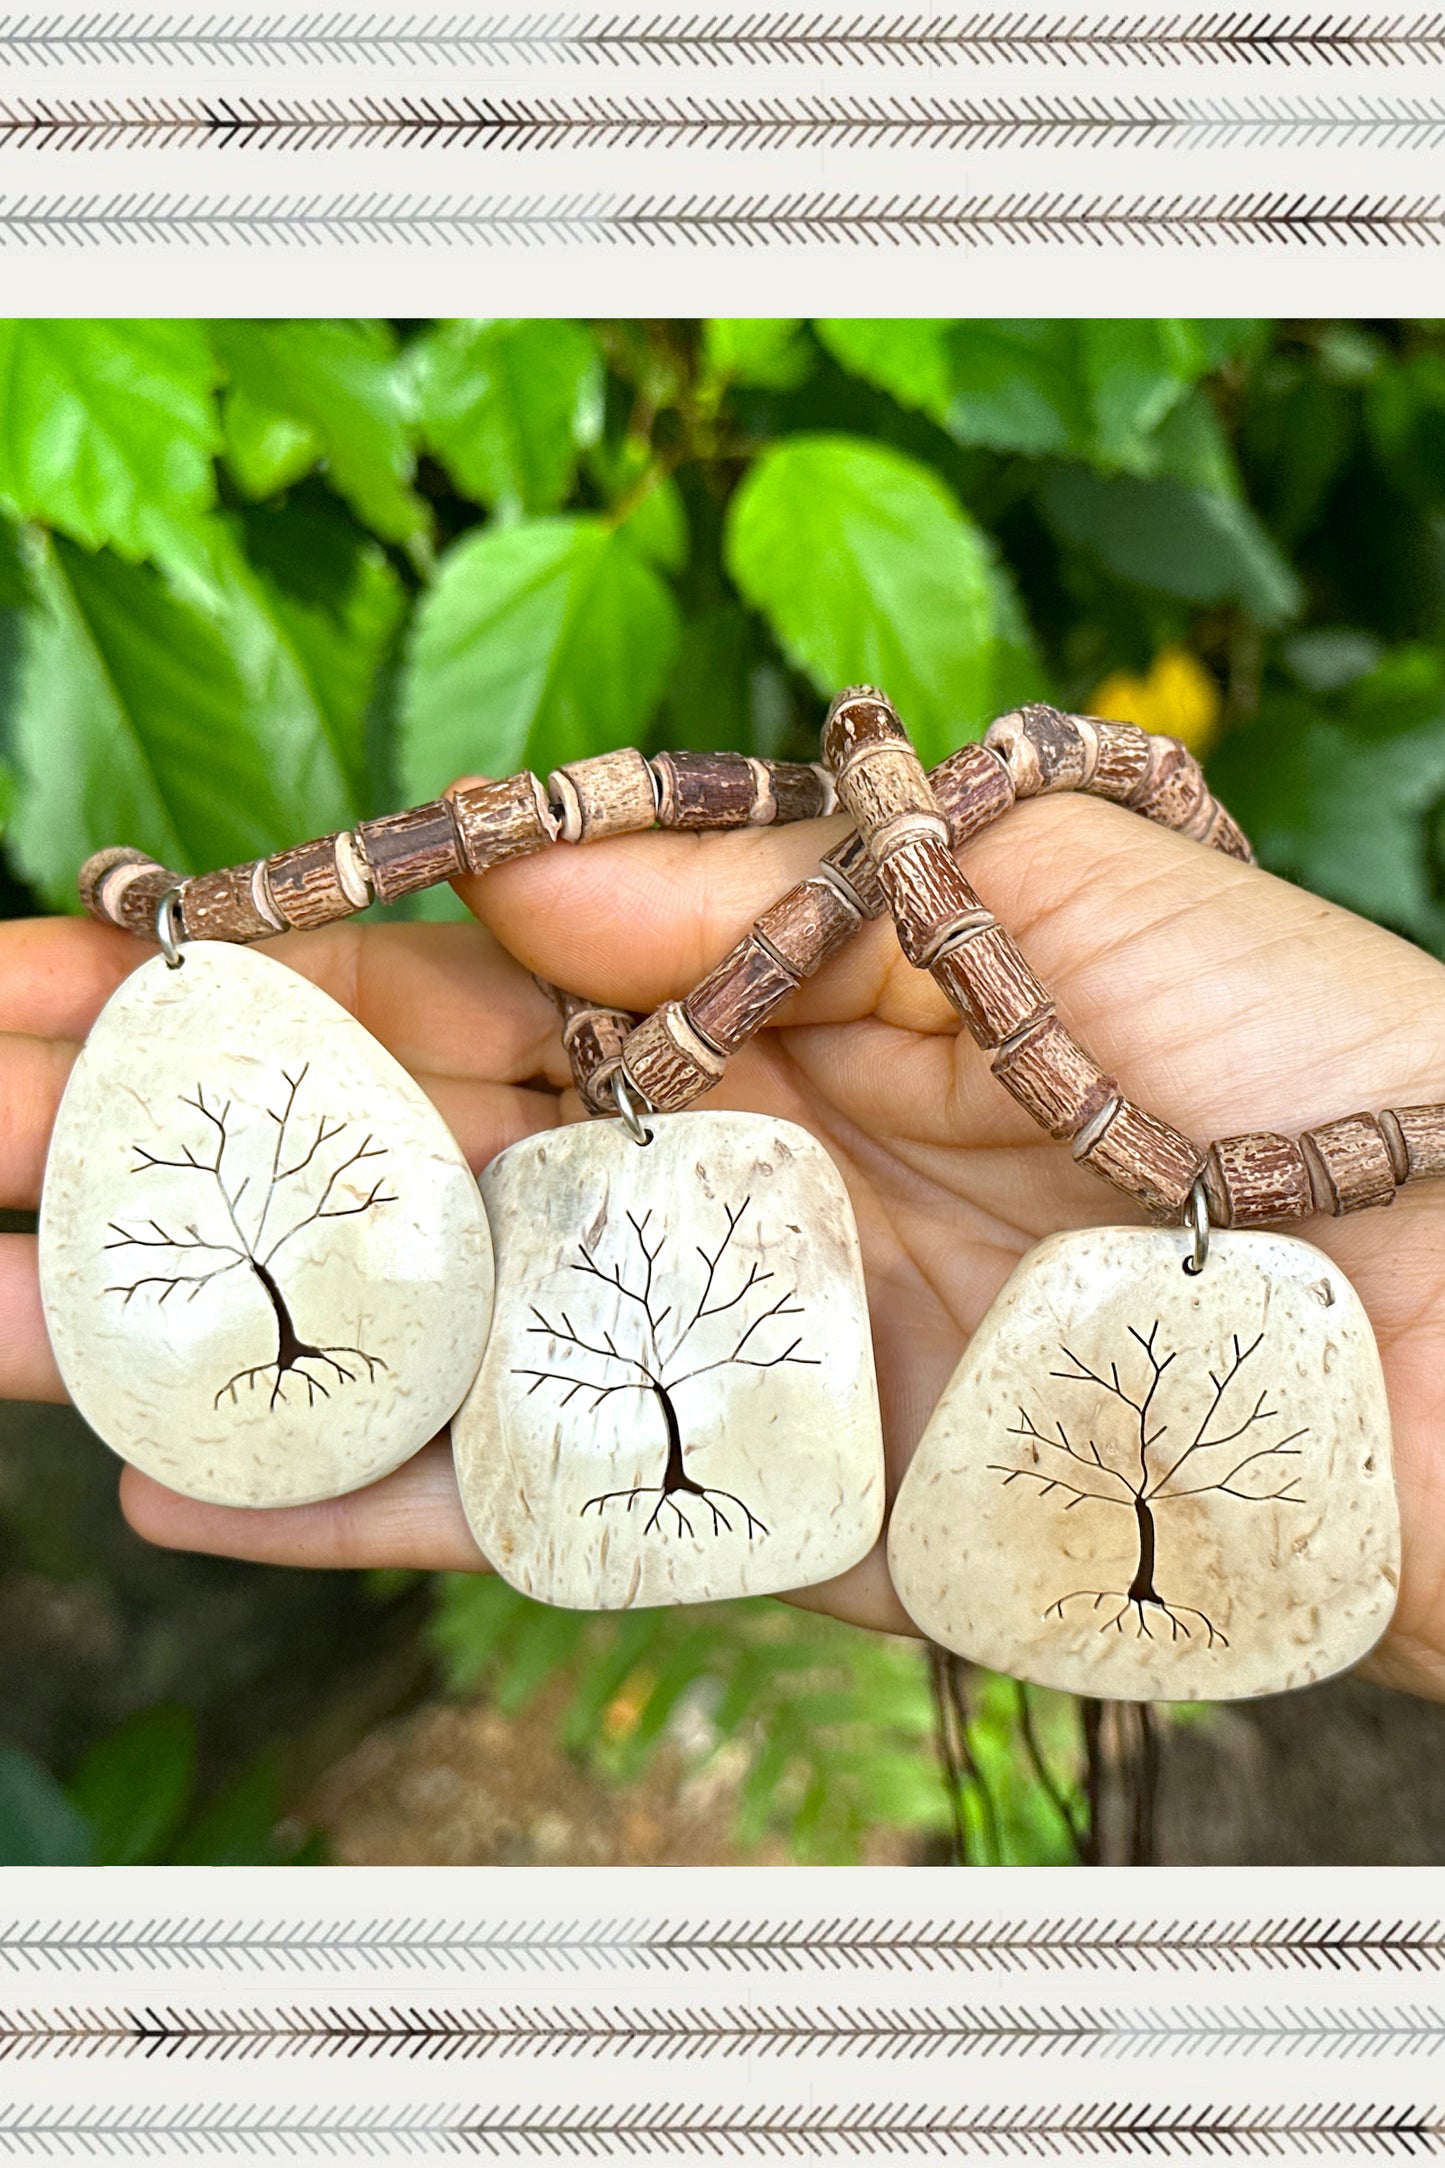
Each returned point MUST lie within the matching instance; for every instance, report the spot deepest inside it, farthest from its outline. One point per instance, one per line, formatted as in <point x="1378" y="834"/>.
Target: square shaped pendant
<point x="1143" y="1484"/>
<point x="677" y="1402"/>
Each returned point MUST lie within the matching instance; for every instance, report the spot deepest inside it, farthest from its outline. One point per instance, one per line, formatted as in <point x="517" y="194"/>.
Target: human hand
<point x="1224" y="1000"/>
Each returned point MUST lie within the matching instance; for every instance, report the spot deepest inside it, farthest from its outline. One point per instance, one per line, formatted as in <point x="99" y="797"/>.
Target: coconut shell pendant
<point x="1143" y="1484"/>
<point x="678" y="1401"/>
<point x="265" y="1264"/>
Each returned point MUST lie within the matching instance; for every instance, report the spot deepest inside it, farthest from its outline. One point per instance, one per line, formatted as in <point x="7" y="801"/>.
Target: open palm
<point x="1223" y="999"/>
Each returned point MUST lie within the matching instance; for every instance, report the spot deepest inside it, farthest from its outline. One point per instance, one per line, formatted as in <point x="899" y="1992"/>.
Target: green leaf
<point x="39" y="1827"/>
<point x="134" y="1785"/>
<point x="15" y="588"/>
<point x="142" y="718"/>
<point x="506" y="405"/>
<point x="768" y="352"/>
<point x="107" y="429"/>
<point x="538" y="643"/>
<point x="1187" y="542"/>
<point x="327" y="392"/>
<point x="869" y="570"/>
<point x="238" y="1829"/>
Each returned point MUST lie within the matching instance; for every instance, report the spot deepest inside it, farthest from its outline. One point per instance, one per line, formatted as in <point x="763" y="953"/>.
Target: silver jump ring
<point x="170" y="928"/>
<point x="1196" y="1219"/>
<point x="630" y="1107"/>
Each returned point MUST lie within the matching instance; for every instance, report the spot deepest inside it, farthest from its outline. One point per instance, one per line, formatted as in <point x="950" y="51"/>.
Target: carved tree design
<point x="655" y="1356"/>
<point x="1137" y="1472"/>
<point x="244" y="1236"/>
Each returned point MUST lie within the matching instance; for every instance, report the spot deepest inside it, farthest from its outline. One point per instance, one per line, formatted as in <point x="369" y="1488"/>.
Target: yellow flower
<point x="1177" y="695"/>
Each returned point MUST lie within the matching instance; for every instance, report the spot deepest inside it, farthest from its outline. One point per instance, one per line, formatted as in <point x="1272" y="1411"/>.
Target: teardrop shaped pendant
<point x="1147" y="1484"/>
<point x="264" y="1262"/>
<point x="677" y="1402"/>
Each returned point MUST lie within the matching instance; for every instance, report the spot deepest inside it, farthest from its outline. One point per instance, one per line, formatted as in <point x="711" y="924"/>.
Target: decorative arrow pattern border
<point x="1277" y="1945"/>
<point x="1267" y="38"/>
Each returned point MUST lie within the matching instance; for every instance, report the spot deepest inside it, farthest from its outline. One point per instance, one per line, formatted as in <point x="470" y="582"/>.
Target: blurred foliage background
<point x="261" y="579"/>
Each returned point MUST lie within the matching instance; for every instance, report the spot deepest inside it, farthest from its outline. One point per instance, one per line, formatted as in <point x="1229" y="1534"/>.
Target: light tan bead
<point x="612" y="794"/>
<point x="1422" y="1137"/>
<point x="497" y="821"/>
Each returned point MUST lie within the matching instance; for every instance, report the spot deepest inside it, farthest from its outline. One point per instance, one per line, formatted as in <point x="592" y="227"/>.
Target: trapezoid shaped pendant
<point x="264" y="1261"/>
<point x="677" y="1402"/>
<point x="1146" y="1485"/>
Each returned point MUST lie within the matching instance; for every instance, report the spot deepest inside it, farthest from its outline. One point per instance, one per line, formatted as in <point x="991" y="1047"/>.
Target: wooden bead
<point x="231" y="905"/>
<point x="668" y="1062"/>
<point x="788" y="791"/>
<point x="1421" y="1132"/>
<point x="930" y="900"/>
<point x="131" y="895"/>
<point x="808" y="925"/>
<point x="739" y="995"/>
<point x="497" y="821"/>
<point x="878" y="784"/>
<point x="412" y="850"/>
<point x="705" y="790"/>
<point x="104" y="878"/>
<point x="1055" y="1079"/>
<point x="1350" y="1164"/>
<point x="1142" y="1156"/>
<point x="1226" y="835"/>
<point x="860" y="716"/>
<point x="1123" y="760"/>
<point x="314" y="884"/>
<point x="593" y="1040"/>
<point x="613" y="794"/>
<point x="1255" y="1179"/>
<point x="1172" y="790"/>
<point x="849" y="865"/>
<point x="973" y="787"/>
<point x="986" y="978"/>
<point x="1044" y="749"/>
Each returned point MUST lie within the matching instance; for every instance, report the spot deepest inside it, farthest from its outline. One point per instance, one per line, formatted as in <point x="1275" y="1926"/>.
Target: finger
<point x="32" y="1077"/>
<point x="486" y="1118"/>
<point x="56" y="974"/>
<point x="27" y="1367"/>
<point x="413" y="1519"/>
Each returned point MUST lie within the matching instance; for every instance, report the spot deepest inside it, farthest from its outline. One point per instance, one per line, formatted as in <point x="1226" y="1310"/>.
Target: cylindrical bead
<point x="859" y="716"/>
<point x="1258" y="1178"/>
<point x="986" y="978"/>
<point x="412" y="850"/>
<point x="881" y="782"/>
<point x="808" y="925"/>
<point x="223" y="906"/>
<point x="1123" y="760"/>
<point x="313" y="884"/>
<point x="705" y="790"/>
<point x="930" y="900"/>
<point x="973" y="787"/>
<point x="497" y="821"/>
<point x="1172" y="789"/>
<point x="106" y="876"/>
<point x="668" y="1062"/>
<point x="1054" y="1078"/>
<point x="1422" y="1139"/>
<point x="612" y="794"/>
<point x="798" y="791"/>
<point x="593" y="1040"/>
<point x="1043" y="748"/>
<point x="739" y="995"/>
<point x="1142" y="1156"/>
<point x="1350" y="1164"/>
<point x="850" y="863"/>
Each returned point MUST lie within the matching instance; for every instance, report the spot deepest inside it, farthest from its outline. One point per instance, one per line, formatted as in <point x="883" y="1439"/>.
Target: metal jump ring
<point x="170" y="928"/>
<point x="630" y="1108"/>
<point x="1196" y="1219"/>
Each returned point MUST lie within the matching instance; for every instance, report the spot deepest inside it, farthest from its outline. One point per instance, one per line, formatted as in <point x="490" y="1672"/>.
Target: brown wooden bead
<point x="849" y="863"/>
<point x="1123" y="760"/>
<point x="1226" y="835"/>
<point x="860" y="716"/>
<point x="413" y="850"/>
<point x="985" y="976"/>
<point x="1172" y="789"/>
<point x="106" y="875"/>
<point x="973" y="787"/>
<point x="593" y="1040"/>
<point x="739" y="995"/>
<point x="1422" y="1140"/>
<point x="808" y="925"/>
<point x="930" y="900"/>
<point x="668" y="1062"/>
<point x="314" y="884"/>
<point x="1142" y="1156"/>
<point x="612" y="794"/>
<point x="1044" y="749"/>
<point x="1054" y="1078"/>
<point x="1350" y="1164"/>
<point x="227" y="906"/>
<point x="1255" y="1179"/>
<point x="497" y="821"/>
<point x="704" y="790"/>
<point x="797" y="791"/>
